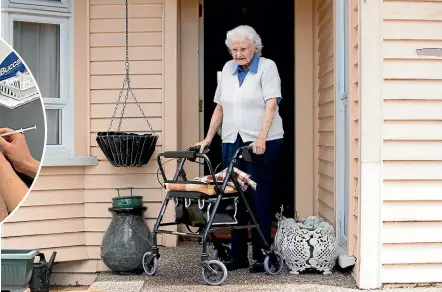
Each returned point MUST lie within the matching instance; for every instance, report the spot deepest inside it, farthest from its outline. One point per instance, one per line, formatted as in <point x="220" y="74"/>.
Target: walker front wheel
<point x="273" y="264"/>
<point x="218" y="274"/>
<point x="150" y="268"/>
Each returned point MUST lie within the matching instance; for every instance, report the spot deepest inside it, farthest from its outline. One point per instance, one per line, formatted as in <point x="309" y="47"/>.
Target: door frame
<point x="292" y="195"/>
<point x="201" y="74"/>
<point x="305" y="137"/>
<point x="342" y="165"/>
<point x="370" y="201"/>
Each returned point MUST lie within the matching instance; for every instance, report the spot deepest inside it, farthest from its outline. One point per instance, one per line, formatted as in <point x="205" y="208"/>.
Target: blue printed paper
<point x="10" y="66"/>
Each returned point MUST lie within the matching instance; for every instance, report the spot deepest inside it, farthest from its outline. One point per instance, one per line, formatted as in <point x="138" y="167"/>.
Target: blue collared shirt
<point x="253" y="68"/>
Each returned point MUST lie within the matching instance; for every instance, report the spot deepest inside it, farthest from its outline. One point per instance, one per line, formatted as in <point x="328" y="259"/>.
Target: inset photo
<point x="22" y="130"/>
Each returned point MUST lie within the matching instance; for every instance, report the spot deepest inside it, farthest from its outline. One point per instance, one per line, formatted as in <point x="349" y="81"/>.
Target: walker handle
<point x="179" y="154"/>
<point x="191" y="154"/>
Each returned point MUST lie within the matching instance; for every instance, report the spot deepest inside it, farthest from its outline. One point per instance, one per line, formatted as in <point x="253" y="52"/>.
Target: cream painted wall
<point x="411" y="183"/>
<point x="324" y="117"/>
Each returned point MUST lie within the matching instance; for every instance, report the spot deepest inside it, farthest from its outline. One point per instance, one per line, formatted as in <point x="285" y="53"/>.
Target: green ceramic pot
<point x="127" y="202"/>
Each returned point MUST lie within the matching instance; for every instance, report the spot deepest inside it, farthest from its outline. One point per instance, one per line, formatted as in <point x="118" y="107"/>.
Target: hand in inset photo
<point x="17" y="151"/>
<point x="22" y="130"/>
<point x="12" y="188"/>
<point x="18" y="168"/>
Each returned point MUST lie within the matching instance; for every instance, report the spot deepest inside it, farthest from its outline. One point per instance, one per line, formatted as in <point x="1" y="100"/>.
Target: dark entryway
<point x="274" y="22"/>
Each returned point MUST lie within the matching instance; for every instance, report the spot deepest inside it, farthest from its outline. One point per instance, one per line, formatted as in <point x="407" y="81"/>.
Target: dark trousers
<point x="259" y="199"/>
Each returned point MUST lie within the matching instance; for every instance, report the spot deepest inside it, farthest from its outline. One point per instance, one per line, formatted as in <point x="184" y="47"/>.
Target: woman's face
<point x="242" y="51"/>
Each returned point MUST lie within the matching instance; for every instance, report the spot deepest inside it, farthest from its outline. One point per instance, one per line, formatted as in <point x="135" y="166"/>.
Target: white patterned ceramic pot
<point x="309" y="244"/>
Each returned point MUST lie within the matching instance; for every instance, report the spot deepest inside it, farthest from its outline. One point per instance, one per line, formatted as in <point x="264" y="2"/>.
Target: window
<point x="41" y="32"/>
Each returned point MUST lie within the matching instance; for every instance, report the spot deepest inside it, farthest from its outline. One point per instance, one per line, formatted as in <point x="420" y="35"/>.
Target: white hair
<point x="247" y="32"/>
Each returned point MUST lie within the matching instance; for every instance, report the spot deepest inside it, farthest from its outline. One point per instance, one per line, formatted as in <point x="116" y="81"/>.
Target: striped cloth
<point x="207" y="189"/>
<point x="244" y="179"/>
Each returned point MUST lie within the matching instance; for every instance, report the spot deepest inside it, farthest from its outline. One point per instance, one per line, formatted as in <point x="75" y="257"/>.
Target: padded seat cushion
<point x="207" y="189"/>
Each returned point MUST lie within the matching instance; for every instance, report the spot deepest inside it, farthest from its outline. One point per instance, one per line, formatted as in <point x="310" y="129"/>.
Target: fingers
<point x="5" y="130"/>
<point x="3" y="143"/>
<point x="16" y="150"/>
<point x="9" y="138"/>
<point x="252" y="146"/>
<point x="258" y="148"/>
<point x="203" y="146"/>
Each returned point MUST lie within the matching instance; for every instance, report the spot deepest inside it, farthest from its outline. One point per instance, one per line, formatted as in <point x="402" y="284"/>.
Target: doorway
<point x="275" y="25"/>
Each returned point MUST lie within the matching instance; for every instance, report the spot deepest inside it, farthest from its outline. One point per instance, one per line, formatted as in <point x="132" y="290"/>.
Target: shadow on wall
<point x="25" y="116"/>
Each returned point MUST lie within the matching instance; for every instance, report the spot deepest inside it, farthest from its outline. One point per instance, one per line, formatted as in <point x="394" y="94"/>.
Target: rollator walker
<point x="209" y="213"/>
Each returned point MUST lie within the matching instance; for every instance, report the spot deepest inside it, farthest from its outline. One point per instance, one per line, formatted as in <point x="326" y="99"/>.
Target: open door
<point x="275" y="24"/>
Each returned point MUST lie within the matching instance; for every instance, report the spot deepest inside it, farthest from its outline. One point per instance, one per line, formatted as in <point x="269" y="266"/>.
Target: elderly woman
<point x="247" y="99"/>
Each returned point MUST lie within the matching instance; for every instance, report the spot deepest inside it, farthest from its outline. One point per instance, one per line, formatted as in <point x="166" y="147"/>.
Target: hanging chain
<point x="127" y="80"/>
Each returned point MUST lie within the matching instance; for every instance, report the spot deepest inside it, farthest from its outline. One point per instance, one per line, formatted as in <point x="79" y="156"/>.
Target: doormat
<point x="118" y="286"/>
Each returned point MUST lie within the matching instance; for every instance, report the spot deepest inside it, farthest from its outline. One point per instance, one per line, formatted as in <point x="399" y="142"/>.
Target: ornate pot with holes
<point x="308" y="244"/>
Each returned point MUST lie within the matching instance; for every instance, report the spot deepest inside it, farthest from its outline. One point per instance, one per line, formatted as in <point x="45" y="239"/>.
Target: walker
<point x="211" y="213"/>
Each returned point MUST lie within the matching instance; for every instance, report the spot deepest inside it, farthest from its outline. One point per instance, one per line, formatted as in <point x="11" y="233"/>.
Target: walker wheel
<point x="273" y="264"/>
<point x="217" y="276"/>
<point x="150" y="268"/>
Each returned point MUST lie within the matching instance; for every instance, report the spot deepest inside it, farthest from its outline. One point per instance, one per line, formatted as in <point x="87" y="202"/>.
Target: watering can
<point x="41" y="274"/>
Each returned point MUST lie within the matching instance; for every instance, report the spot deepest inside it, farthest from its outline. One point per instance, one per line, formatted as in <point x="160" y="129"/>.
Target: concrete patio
<point x="179" y="271"/>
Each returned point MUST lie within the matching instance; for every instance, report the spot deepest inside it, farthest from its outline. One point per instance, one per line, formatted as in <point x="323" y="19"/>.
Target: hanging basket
<point x="124" y="149"/>
<point x="127" y="149"/>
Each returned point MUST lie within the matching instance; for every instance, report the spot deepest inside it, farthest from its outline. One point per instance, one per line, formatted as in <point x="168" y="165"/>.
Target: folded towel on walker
<point x="205" y="184"/>
<point x="244" y="179"/>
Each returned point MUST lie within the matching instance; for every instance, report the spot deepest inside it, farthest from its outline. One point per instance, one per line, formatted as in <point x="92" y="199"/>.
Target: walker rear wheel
<point x="273" y="264"/>
<point x="150" y="268"/>
<point x="217" y="276"/>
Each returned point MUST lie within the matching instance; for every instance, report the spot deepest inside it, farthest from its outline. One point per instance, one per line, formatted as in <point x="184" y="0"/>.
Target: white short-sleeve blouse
<point x="244" y="106"/>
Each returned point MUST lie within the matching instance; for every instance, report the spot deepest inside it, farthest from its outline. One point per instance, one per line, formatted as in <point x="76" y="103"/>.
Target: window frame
<point x="62" y="6"/>
<point x="65" y="102"/>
